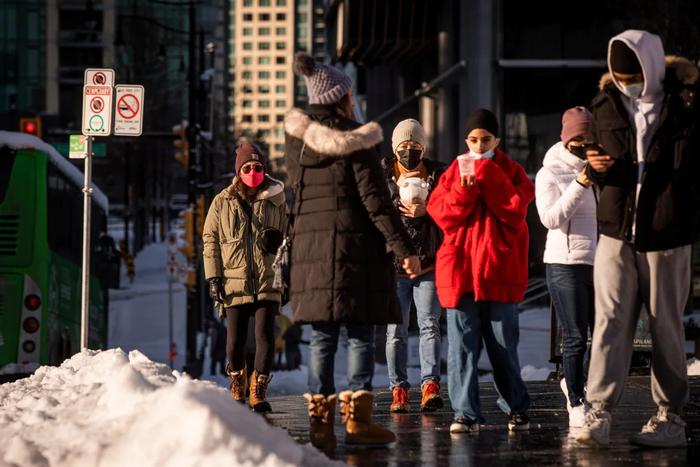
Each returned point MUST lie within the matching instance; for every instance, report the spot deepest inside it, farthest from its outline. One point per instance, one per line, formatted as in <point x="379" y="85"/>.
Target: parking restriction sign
<point x="128" y="120"/>
<point x="99" y="77"/>
<point x="97" y="110"/>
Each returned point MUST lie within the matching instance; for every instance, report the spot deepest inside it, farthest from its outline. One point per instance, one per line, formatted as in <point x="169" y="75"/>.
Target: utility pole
<point x="193" y="312"/>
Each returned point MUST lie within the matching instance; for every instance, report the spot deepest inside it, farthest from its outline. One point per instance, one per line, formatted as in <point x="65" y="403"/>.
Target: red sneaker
<point x="431" y="399"/>
<point x="400" y="403"/>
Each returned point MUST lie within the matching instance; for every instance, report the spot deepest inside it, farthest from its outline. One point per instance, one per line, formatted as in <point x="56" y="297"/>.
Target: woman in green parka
<point x="242" y="233"/>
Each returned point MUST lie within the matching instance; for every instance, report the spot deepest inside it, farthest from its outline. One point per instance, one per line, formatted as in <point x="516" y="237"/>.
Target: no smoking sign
<point x="128" y="121"/>
<point x="97" y="110"/>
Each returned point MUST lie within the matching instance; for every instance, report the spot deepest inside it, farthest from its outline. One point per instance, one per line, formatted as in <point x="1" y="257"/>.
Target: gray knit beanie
<point x="408" y="130"/>
<point x="324" y="84"/>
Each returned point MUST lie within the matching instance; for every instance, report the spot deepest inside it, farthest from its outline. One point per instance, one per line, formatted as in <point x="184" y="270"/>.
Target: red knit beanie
<point x="246" y="152"/>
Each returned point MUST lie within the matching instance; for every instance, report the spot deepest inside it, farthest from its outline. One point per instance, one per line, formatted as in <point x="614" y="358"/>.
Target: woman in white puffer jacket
<point x="566" y="203"/>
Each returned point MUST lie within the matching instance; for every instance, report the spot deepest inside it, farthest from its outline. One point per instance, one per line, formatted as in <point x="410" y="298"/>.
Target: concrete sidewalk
<point x="425" y="439"/>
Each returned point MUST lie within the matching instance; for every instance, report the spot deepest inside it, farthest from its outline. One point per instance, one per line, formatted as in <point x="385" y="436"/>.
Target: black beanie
<point x="484" y="119"/>
<point x="623" y="59"/>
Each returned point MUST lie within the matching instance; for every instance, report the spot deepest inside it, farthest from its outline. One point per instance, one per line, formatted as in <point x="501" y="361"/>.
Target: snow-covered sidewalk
<point x="113" y="409"/>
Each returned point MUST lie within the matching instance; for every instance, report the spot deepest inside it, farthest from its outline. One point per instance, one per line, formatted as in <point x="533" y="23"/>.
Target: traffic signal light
<point x="188" y="249"/>
<point x="201" y="214"/>
<point x="30" y="125"/>
<point x="182" y="145"/>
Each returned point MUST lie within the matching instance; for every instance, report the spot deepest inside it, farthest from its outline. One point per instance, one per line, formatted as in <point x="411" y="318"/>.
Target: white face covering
<point x="487" y="155"/>
<point x="633" y="90"/>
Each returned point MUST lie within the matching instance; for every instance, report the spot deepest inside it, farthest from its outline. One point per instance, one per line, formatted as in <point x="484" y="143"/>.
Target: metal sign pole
<point x="170" y="322"/>
<point x="87" y="205"/>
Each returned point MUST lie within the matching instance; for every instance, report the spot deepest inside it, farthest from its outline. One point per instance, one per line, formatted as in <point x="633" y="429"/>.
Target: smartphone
<point x="593" y="146"/>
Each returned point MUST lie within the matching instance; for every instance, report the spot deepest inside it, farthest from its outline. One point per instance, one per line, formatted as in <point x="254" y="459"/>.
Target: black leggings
<point x="237" y="334"/>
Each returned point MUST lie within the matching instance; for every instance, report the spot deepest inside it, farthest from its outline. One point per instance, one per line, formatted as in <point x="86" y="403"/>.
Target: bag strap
<point x="296" y="192"/>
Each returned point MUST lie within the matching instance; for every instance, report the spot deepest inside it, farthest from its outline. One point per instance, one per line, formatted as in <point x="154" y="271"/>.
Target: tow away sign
<point x="128" y="119"/>
<point x="97" y="110"/>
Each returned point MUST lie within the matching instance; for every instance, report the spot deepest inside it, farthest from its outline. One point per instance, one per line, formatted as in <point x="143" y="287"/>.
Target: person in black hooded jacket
<point x="645" y="119"/>
<point x="345" y="229"/>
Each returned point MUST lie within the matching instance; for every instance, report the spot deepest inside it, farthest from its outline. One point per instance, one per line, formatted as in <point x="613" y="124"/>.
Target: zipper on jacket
<point x="568" y="231"/>
<point x="249" y="253"/>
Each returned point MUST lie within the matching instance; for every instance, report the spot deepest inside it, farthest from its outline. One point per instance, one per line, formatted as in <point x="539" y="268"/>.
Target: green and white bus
<point x="41" y="218"/>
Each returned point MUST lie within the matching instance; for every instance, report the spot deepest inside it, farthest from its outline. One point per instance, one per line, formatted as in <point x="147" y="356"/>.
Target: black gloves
<point x="216" y="290"/>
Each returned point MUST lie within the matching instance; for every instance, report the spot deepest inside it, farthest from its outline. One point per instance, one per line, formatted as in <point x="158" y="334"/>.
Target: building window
<point x="280" y="60"/>
<point x="247" y="46"/>
<point x="302" y="17"/>
<point x="247" y="118"/>
<point x="264" y="74"/>
<point x="247" y="104"/>
<point x="264" y="17"/>
<point x="264" y="89"/>
<point x="263" y="118"/>
<point x="264" y="104"/>
<point x="247" y="75"/>
<point x="279" y="147"/>
<point x="247" y="60"/>
<point x="247" y="89"/>
<point x="279" y="132"/>
<point x="280" y="16"/>
<point x="280" y="88"/>
<point x="264" y="31"/>
<point x="280" y="103"/>
<point x="279" y="118"/>
<point x="247" y="31"/>
<point x="302" y="32"/>
<point x="247" y="2"/>
<point x="248" y="133"/>
<point x="247" y="17"/>
<point x="280" y="74"/>
<point x="264" y="45"/>
<point x="264" y="2"/>
<point x="281" y="31"/>
<point x="280" y="45"/>
<point x="302" y="2"/>
<point x="281" y="2"/>
<point x="263" y="60"/>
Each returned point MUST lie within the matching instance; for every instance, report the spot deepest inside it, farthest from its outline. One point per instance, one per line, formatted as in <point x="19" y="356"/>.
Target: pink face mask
<point x="252" y="178"/>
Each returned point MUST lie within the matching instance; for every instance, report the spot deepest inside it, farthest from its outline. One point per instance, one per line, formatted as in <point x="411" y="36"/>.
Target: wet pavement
<point x="424" y="439"/>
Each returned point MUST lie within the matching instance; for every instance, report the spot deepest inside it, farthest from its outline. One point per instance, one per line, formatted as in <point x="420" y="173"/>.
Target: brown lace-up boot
<point x="321" y="417"/>
<point x="359" y="428"/>
<point x="258" y="389"/>
<point x="239" y="383"/>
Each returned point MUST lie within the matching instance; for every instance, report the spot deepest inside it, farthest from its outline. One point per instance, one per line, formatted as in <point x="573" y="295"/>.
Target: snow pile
<point x="109" y="408"/>
<point x="693" y="367"/>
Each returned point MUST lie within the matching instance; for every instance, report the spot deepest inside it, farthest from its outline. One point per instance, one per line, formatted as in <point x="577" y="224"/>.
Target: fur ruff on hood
<point x="686" y="71"/>
<point x="329" y="141"/>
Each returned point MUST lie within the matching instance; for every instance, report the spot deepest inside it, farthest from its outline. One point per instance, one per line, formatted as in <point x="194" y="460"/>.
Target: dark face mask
<point x="410" y="158"/>
<point x="578" y="151"/>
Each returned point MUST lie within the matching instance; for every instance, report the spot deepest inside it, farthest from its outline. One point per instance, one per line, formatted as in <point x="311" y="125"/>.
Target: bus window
<point x="7" y="160"/>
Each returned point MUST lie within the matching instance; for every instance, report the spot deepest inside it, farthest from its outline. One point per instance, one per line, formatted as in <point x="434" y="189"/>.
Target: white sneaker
<point x="577" y="415"/>
<point x="663" y="430"/>
<point x="596" y="429"/>
<point x="464" y="425"/>
<point x="565" y="390"/>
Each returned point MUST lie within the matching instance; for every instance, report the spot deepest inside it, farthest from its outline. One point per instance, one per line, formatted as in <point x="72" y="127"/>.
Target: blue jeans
<point x="422" y="292"/>
<point x="497" y="325"/>
<point x="571" y="289"/>
<point x="324" y="343"/>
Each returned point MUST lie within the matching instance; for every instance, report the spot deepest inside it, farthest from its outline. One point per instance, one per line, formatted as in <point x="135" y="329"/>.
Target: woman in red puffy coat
<point x="480" y="204"/>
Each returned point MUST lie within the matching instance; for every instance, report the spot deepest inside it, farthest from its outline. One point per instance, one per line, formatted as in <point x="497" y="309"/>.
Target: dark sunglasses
<point x="247" y="168"/>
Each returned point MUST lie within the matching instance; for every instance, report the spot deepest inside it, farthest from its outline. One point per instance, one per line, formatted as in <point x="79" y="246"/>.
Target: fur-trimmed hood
<point x="685" y="70"/>
<point x="330" y="141"/>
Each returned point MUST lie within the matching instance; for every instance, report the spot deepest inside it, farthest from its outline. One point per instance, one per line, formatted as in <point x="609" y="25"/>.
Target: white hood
<point x="650" y="53"/>
<point x="559" y="158"/>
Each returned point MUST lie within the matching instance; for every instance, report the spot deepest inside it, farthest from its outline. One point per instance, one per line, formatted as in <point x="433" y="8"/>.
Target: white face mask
<point x="487" y="155"/>
<point x="633" y="90"/>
